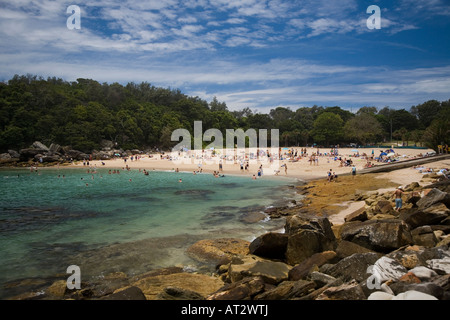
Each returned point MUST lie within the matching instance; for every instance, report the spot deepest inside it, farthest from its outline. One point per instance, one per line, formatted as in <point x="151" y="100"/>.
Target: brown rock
<point x="378" y="235"/>
<point x="270" y="245"/>
<point x="301" y="270"/>
<point x="304" y="244"/>
<point x="409" y="278"/>
<point x="288" y="290"/>
<point x="347" y="291"/>
<point x="218" y="251"/>
<point x="383" y="216"/>
<point x="130" y="293"/>
<point x="202" y="284"/>
<point x="57" y="289"/>
<point x="347" y="248"/>
<point x="308" y="234"/>
<point x="424" y="236"/>
<point x="244" y="289"/>
<point x="174" y="293"/>
<point x="410" y="261"/>
<point x="272" y="272"/>
<point x="360" y="215"/>
<point x="384" y="207"/>
<point x="433" y="197"/>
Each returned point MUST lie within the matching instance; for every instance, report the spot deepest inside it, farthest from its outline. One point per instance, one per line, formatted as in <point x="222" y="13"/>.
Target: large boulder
<point x="347" y="291"/>
<point x="14" y="154"/>
<point x="244" y="289"/>
<point x="303" y="269"/>
<point x="385" y="269"/>
<point x="377" y="235"/>
<point x="270" y="245"/>
<point x="424" y="236"/>
<point x="271" y="272"/>
<point x="288" y="290"/>
<point x="153" y="286"/>
<point x="308" y="235"/>
<point x="305" y="221"/>
<point x="441" y="266"/>
<point x="76" y="155"/>
<point x="433" y="197"/>
<point x="347" y="248"/>
<point x="353" y="267"/>
<point x="433" y="214"/>
<point x="30" y="153"/>
<point x="358" y="215"/>
<point x="5" y="156"/>
<point x="39" y="145"/>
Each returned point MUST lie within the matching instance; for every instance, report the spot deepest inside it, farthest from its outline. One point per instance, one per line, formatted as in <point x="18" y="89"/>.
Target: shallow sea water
<point x="126" y="222"/>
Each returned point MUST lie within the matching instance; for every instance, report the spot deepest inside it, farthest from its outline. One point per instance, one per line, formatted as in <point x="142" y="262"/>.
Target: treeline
<point x="81" y="114"/>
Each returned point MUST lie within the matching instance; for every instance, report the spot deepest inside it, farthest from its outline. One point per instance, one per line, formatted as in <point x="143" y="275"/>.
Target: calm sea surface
<point x="126" y="222"/>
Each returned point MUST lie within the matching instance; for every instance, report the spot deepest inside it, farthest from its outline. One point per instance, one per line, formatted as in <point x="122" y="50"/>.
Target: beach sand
<point x="302" y="169"/>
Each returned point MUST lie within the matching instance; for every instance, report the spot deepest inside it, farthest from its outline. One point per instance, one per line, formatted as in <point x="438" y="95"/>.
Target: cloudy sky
<point x="248" y="53"/>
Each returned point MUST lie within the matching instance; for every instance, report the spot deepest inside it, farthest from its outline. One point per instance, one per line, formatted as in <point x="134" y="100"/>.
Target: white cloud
<point x="197" y="44"/>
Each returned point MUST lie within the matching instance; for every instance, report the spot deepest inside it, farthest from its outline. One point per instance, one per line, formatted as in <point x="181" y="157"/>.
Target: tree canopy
<point x="83" y="113"/>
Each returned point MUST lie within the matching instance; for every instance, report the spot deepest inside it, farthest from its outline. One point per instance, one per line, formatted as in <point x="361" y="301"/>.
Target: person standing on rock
<point x="398" y="198"/>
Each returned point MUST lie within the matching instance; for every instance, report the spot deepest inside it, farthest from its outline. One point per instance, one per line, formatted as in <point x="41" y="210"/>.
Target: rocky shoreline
<point x="377" y="253"/>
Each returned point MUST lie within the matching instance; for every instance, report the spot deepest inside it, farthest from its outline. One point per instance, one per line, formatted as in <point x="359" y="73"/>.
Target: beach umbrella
<point x="383" y="154"/>
<point x="354" y="150"/>
<point x="390" y="154"/>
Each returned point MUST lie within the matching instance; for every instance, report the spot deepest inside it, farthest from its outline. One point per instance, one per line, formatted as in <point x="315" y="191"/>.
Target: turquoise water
<point x="125" y="222"/>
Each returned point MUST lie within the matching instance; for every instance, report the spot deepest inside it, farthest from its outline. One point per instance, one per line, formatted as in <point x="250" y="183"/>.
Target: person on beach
<point x="285" y="169"/>
<point x="398" y="198"/>
<point x="353" y="170"/>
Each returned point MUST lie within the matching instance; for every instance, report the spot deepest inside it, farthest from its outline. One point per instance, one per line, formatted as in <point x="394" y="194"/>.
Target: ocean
<point x="121" y="222"/>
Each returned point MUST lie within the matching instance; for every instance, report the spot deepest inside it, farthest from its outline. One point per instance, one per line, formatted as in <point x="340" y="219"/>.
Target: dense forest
<point x="82" y="113"/>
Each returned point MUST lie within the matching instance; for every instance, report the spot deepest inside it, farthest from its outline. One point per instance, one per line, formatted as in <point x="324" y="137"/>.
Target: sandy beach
<point x="302" y="168"/>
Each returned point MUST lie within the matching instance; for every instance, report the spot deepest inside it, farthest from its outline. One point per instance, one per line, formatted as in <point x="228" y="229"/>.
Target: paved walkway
<point x="404" y="164"/>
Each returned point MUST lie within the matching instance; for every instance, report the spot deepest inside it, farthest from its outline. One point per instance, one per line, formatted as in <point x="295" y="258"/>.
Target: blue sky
<point x="259" y="54"/>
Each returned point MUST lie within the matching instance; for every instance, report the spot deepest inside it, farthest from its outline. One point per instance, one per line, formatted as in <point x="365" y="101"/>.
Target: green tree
<point x="328" y="128"/>
<point x="215" y="105"/>
<point x="438" y="132"/>
<point x="364" y="128"/>
<point x="427" y="112"/>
